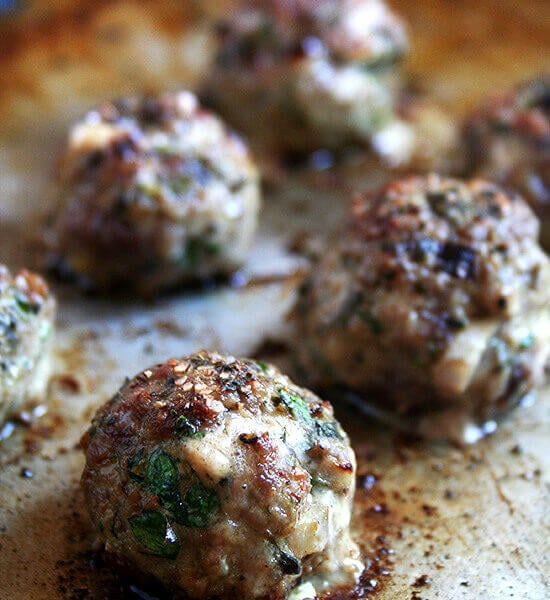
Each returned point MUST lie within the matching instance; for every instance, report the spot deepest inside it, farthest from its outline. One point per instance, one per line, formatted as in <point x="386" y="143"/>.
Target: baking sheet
<point x="435" y="521"/>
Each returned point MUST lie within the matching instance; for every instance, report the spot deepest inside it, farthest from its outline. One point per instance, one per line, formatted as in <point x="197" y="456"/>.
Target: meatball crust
<point x="508" y="140"/>
<point x="220" y="477"/>
<point x="321" y="73"/>
<point x="26" y="327"/>
<point x="153" y="192"/>
<point x="434" y="297"/>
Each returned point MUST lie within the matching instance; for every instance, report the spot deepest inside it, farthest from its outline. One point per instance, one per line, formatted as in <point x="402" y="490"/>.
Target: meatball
<point x="434" y="299"/>
<point x="308" y="74"/>
<point x="508" y="140"/>
<point x="26" y="327"/>
<point x="153" y="192"/>
<point x="220" y="477"/>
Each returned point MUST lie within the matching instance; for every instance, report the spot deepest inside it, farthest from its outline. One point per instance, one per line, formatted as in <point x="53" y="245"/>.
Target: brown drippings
<point x="421" y="581"/>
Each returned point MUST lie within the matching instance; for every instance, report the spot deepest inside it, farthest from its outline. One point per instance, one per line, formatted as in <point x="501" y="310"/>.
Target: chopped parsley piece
<point x="295" y="404"/>
<point x="187" y="428"/>
<point x="527" y="341"/>
<point x="195" y="249"/>
<point x="162" y="476"/>
<point x="25" y="307"/>
<point x="329" y="429"/>
<point x="199" y="506"/>
<point x="153" y="531"/>
<point x="134" y="467"/>
<point x="263" y="366"/>
<point x="180" y="185"/>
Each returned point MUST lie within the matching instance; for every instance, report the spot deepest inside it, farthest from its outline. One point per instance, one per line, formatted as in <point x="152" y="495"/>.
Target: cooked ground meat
<point x="153" y="192"/>
<point x="508" y="140"/>
<point x="220" y="477"/>
<point x="308" y="74"/>
<point x="434" y="297"/>
<point x="26" y="327"/>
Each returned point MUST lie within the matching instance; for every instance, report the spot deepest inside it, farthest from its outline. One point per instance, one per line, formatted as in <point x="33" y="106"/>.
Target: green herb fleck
<point x="187" y="428"/>
<point x="191" y="254"/>
<point x="437" y="202"/>
<point x="527" y="341"/>
<point x="180" y="185"/>
<point x="374" y="324"/>
<point x="134" y="466"/>
<point x="212" y="248"/>
<point x="382" y="63"/>
<point x="197" y="248"/>
<point x="152" y="530"/>
<point x="295" y="404"/>
<point x="162" y="479"/>
<point x="329" y="429"/>
<point x="263" y="366"/>
<point x="25" y="307"/>
<point x="199" y="505"/>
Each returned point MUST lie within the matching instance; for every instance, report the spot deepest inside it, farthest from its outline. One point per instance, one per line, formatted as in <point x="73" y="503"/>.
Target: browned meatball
<point x="306" y="74"/>
<point x="508" y="140"/>
<point x="27" y="311"/>
<point x="220" y="477"/>
<point x="153" y="192"/>
<point x="435" y="297"/>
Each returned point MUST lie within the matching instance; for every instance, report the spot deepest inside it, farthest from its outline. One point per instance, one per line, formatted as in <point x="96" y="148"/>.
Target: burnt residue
<point x="421" y="581"/>
<point x="91" y="575"/>
<point x="375" y="525"/>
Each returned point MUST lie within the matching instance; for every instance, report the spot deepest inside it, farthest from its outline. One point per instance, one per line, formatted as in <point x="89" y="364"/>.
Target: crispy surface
<point x="27" y="312"/>
<point x="250" y="474"/>
<point x="425" y="299"/>
<point x="152" y="192"/>
<point x="508" y="140"/>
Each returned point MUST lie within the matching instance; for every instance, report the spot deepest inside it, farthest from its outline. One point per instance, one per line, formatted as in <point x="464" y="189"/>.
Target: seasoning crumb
<point x="465" y="583"/>
<point x="67" y="382"/>
<point x="517" y="450"/>
<point x="421" y="581"/>
<point x="429" y="510"/>
<point x="449" y="494"/>
<point x="25" y="473"/>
